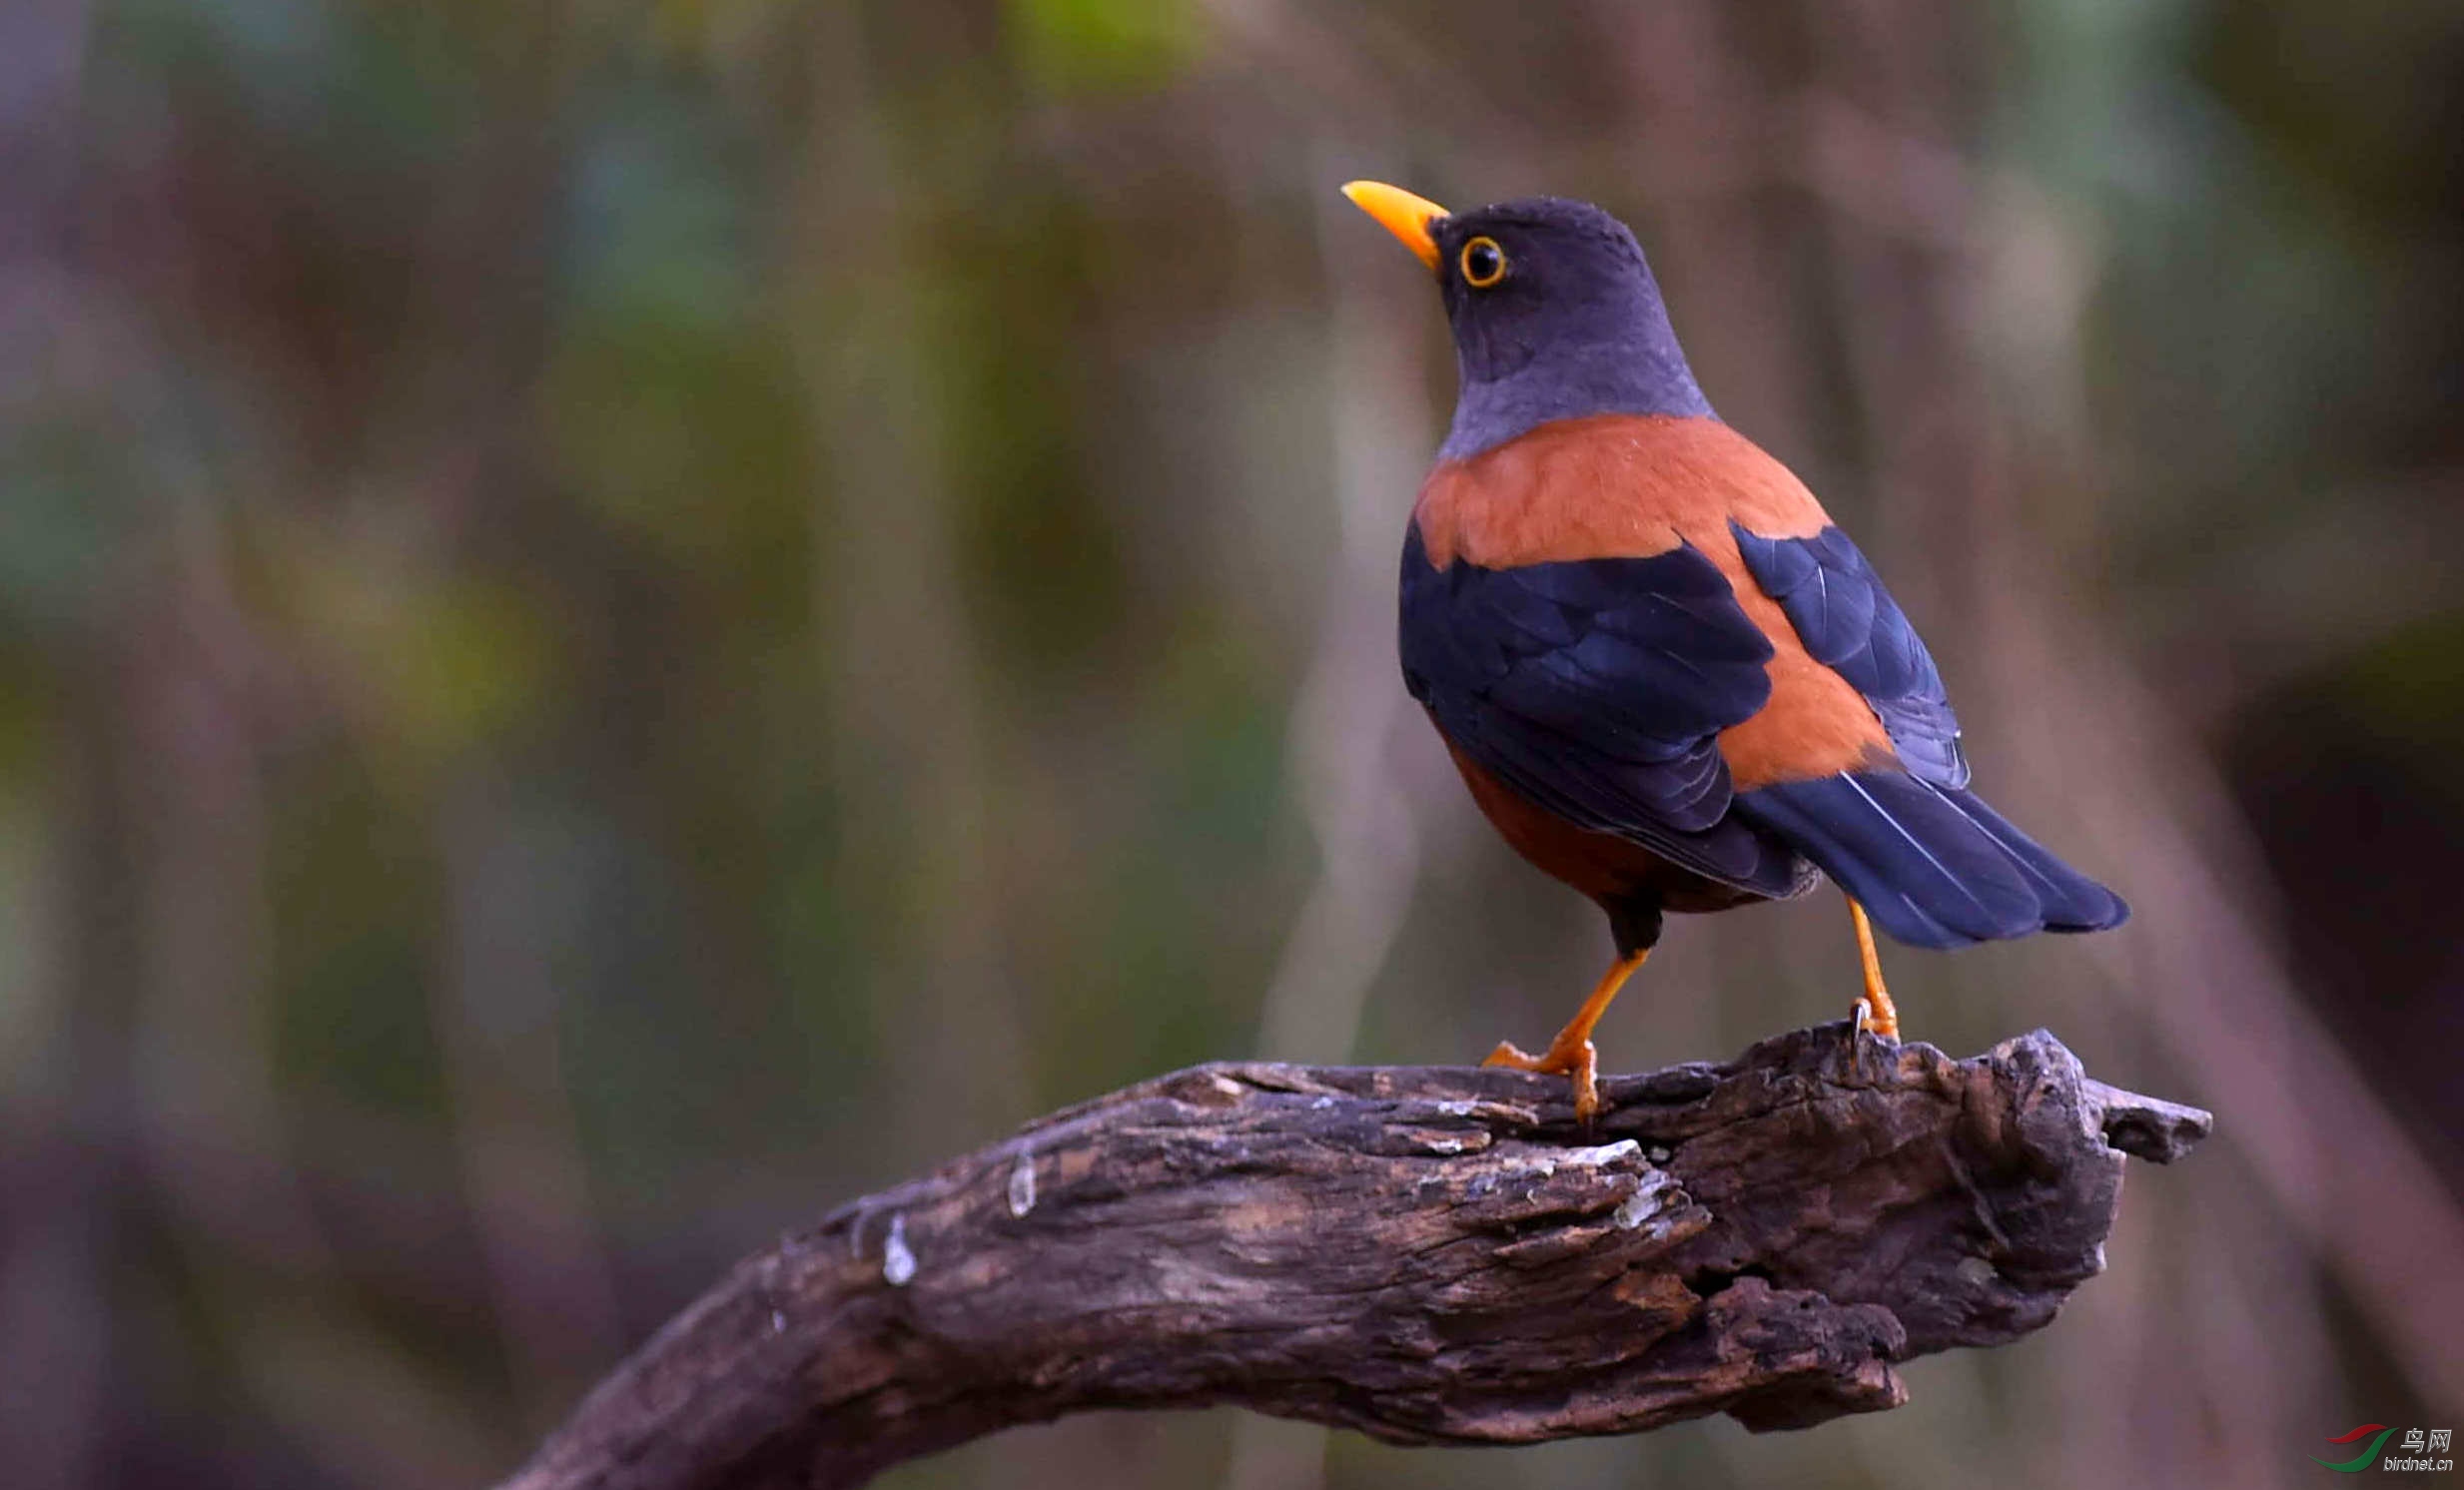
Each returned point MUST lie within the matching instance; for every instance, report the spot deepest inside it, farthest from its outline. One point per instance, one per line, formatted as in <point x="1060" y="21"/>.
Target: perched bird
<point x="1667" y="678"/>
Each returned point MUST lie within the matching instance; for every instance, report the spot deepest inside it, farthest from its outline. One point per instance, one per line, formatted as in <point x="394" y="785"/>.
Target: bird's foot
<point x="1578" y="1059"/>
<point x="1884" y="1022"/>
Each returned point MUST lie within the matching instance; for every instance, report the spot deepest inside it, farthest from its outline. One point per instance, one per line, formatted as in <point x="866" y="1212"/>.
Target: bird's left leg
<point x="1875" y="1011"/>
<point x="1572" y="1053"/>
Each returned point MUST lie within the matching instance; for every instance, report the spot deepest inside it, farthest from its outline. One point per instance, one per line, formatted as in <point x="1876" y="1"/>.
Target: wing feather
<point x="1597" y="689"/>
<point x="1849" y="623"/>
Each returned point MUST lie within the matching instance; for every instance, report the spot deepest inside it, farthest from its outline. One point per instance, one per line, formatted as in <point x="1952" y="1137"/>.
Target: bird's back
<point x="1638" y="486"/>
<point x="1646" y="626"/>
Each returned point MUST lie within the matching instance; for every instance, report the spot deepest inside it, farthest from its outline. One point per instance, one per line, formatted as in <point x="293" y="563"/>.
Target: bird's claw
<point x="1580" y="1062"/>
<point x="1867" y="1022"/>
<point x="1512" y="1056"/>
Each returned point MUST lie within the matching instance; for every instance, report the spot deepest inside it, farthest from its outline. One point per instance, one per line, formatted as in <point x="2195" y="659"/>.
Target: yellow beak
<point x="1400" y="213"/>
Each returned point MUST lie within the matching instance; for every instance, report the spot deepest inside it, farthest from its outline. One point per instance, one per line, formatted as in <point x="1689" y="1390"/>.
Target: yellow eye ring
<point x="1483" y="263"/>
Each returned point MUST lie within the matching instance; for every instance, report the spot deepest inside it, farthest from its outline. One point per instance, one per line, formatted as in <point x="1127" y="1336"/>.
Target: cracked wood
<point x="1426" y="1254"/>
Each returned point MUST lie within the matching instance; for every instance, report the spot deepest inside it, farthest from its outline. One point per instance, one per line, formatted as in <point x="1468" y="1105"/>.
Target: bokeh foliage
<point x="619" y="622"/>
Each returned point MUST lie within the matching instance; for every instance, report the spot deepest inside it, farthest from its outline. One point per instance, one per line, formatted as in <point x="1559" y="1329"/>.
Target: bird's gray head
<point x="1554" y="310"/>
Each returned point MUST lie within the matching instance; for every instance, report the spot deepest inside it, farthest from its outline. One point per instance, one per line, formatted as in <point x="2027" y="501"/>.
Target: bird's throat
<point x="1643" y="373"/>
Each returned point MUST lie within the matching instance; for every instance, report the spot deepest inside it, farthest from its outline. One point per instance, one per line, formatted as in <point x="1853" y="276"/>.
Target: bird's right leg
<point x="1875" y="1011"/>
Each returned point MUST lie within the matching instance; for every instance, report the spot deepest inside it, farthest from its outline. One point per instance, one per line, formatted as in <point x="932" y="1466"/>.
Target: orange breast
<point x="1635" y="485"/>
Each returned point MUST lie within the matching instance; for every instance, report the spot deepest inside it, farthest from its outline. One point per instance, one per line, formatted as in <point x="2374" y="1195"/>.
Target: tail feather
<point x="2071" y="900"/>
<point x="1934" y="866"/>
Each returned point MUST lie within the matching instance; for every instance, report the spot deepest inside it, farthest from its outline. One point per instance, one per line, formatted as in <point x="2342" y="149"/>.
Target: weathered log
<point x="1426" y="1254"/>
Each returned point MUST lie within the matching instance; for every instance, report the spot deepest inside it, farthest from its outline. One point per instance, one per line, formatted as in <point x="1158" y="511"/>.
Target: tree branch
<point x="1429" y="1254"/>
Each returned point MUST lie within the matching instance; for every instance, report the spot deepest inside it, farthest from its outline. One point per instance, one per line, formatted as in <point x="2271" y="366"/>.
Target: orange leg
<point x="1875" y="1011"/>
<point x="1572" y="1053"/>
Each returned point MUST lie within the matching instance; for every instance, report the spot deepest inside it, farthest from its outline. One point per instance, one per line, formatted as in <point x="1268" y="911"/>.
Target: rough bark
<point x="1426" y="1255"/>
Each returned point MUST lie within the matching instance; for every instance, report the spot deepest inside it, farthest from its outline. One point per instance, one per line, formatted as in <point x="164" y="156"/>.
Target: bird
<point x="1666" y="676"/>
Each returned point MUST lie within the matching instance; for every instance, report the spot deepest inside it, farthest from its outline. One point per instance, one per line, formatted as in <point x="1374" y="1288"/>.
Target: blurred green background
<point x="619" y="622"/>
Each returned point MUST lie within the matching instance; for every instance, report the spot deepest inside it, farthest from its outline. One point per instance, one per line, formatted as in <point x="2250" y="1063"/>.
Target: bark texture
<point x="1429" y="1255"/>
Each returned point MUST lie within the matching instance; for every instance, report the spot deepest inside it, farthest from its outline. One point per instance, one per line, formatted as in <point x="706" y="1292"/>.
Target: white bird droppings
<point x="1645" y="1204"/>
<point x="1021" y="1185"/>
<point x="898" y="1264"/>
<point x="1605" y="1153"/>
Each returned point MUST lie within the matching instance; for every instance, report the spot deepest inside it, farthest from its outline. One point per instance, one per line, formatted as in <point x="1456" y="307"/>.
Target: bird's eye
<point x="1484" y="264"/>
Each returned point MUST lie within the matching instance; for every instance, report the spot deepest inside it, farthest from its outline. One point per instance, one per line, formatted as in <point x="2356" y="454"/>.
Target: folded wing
<point x="1596" y="689"/>
<point x="1934" y="864"/>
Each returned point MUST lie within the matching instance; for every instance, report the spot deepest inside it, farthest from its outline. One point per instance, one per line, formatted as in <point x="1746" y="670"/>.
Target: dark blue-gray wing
<point x="1934" y="863"/>
<point x="1849" y="624"/>
<point x="1597" y="689"/>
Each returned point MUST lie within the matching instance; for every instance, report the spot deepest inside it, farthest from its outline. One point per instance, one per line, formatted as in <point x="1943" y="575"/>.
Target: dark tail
<point x="1934" y="866"/>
